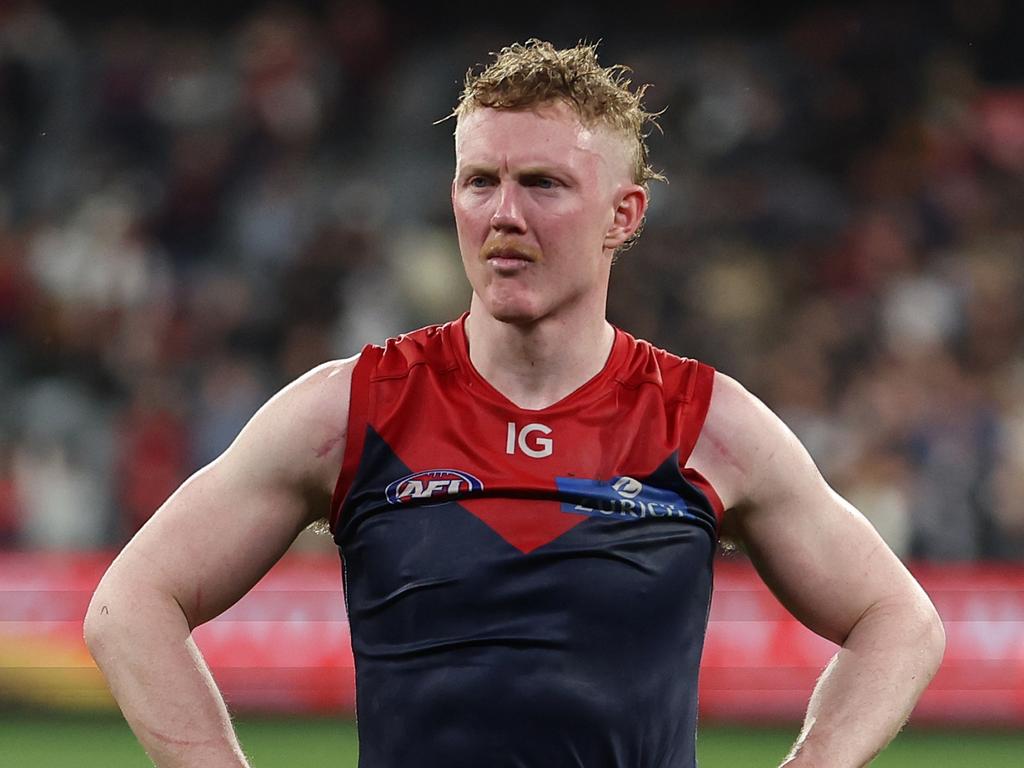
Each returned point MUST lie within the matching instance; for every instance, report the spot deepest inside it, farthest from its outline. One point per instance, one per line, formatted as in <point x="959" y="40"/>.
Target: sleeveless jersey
<point x="524" y="588"/>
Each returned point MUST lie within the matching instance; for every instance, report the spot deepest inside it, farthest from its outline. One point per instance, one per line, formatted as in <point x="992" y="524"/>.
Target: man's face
<point x="538" y="201"/>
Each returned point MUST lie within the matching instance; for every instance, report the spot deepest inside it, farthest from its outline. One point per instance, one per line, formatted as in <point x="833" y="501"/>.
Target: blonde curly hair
<point x="535" y="72"/>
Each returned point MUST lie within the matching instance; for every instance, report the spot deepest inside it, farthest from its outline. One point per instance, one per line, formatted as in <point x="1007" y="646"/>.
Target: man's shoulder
<point x="309" y="415"/>
<point x="431" y="345"/>
<point x="745" y="446"/>
<point x="647" y="363"/>
<point x="327" y="382"/>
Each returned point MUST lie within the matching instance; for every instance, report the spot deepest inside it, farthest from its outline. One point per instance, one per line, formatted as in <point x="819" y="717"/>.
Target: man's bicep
<point x="823" y="560"/>
<point x="212" y="541"/>
<point x="223" y="529"/>
<point x="818" y="554"/>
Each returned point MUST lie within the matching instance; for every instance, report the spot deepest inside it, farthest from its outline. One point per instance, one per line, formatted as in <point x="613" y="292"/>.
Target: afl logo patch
<point x="430" y="484"/>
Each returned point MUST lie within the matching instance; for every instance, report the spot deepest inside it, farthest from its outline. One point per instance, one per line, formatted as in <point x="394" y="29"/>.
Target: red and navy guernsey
<point x="524" y="588"/>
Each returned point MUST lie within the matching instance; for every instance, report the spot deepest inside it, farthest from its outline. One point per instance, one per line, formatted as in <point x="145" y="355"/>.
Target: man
<point x="528" y="501"/>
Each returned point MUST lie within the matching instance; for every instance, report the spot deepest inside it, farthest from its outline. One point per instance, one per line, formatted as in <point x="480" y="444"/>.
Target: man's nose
<point x="508" y="213"/>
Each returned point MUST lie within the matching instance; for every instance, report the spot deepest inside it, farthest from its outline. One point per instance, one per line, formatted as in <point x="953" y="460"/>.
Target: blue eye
<point x="541" y="182"/>
<point x="478" y="182"/>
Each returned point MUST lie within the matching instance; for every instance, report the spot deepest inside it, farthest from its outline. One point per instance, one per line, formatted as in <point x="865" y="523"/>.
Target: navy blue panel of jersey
<point x="582" y="652"/>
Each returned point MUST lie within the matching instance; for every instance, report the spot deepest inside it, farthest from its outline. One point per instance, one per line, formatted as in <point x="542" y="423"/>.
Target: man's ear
<point x="629" y="215"/>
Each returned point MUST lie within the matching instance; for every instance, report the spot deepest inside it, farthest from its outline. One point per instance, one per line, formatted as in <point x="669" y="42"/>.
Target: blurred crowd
<point x="193" y="214"/>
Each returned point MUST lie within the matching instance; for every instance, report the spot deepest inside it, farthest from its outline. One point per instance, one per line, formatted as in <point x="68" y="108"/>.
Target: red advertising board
<point x="760" y="664"/>
<point x="285" y="647"/>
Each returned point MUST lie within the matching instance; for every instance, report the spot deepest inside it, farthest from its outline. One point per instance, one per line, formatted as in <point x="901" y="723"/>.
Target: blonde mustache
<point x="509" y="247"/>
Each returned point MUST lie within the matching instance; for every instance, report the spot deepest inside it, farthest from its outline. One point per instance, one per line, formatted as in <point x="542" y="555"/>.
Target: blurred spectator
<point x="1007" y="479"/>
<point x="230" y="391"/>
<point x="62" y="467"/>
<point x="153" y="457"/>
<point x="11" y="513"/>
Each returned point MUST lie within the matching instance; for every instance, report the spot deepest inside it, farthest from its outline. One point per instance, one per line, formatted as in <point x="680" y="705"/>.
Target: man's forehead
<point x="552" y="127"/>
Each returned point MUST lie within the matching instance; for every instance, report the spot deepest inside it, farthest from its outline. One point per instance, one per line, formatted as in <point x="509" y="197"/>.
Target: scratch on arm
<point x="328" y="445"/>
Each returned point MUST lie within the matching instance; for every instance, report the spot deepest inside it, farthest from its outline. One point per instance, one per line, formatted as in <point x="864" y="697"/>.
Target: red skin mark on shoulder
<point x="328" y="446"/>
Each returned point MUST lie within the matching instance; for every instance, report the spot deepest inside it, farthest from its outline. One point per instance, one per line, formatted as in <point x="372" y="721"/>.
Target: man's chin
<point x="513" y="313"/>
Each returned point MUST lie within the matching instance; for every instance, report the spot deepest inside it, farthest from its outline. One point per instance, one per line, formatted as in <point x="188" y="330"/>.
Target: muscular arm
<point x="204" y="548"/>
<point x="830" y="568"/>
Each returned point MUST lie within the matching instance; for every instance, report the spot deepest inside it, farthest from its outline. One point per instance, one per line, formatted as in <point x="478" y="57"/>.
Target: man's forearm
<point x="161" y="681"/>
<point x="870" y="687"/>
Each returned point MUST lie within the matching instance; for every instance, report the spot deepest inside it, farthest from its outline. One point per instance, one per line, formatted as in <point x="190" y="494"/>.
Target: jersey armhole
<point x="697" y="401"/>
<point x="355" y="438"/>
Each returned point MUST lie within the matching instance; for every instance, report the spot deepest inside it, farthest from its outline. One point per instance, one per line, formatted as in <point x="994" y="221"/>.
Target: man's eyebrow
<point x="555" y="169"/>
<point x="478" y="169"/>
<point x="528" y="172"/>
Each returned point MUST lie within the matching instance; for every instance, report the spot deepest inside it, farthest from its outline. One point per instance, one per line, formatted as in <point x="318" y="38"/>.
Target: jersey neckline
<point x="582" y="395"/>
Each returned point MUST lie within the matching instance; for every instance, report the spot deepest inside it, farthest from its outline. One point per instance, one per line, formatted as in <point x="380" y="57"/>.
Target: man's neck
<point x="537" y="365"/>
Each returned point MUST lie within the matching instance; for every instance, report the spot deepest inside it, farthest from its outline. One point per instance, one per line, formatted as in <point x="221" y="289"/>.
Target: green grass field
<point x="46" y="741"/>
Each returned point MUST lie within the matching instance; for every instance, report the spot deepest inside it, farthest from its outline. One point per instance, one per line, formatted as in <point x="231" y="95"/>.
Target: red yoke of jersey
<point x="645" y="405"/>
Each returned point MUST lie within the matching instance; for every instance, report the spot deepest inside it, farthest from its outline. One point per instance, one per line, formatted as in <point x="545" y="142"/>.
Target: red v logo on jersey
<point x="526" y="524"/>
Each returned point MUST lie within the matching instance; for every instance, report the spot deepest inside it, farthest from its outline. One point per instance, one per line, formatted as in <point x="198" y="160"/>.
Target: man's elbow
<point x="98" y="629"/>
<point x="908" y="624"/>
<point x="917" y="631"/>
<point x="933" y="637"/>
<point x="115" y="612"/>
